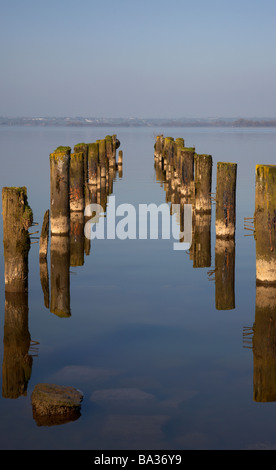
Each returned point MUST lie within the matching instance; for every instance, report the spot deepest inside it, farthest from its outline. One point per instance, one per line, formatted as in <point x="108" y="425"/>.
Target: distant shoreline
<point x="137" y="122"/>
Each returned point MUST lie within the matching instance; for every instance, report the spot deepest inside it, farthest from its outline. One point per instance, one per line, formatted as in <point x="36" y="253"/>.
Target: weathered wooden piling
<point x="82" y="147"/>
<point x="44" y="236"/>
<point x="186" y="155"/>
<point x="203" y="182"/>
<point x="110" y="155"/>
<point x="60" y="276"/>
<point x="158" y="148"/>
<point x="263" y="345"/>
<point x="225" y="274"/>
<point x="59" y="191"/>
<point x="169" y="151"/>
<point x="17" y="218"/>
<point x="77" y="201"/>
<point x="265" y="223"/>
<point x="93" y="163"/>
<point x="102" y="152"/>
<point x="226" y="200"/>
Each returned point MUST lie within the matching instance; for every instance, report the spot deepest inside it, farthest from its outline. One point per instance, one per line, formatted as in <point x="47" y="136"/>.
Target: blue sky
<point x="146" y="58"/>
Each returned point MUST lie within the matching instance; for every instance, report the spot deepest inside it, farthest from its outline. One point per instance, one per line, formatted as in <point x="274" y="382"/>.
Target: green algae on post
<point x="226" y="200"/>
<point x="59" y="190"/>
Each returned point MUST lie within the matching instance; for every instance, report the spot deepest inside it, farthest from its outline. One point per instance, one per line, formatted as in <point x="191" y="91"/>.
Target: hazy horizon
<point x="138" y="59"/>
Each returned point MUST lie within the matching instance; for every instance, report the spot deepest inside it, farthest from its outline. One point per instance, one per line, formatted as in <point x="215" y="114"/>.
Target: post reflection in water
<point x="60" y="276"/>
<point x="225" y="274"/>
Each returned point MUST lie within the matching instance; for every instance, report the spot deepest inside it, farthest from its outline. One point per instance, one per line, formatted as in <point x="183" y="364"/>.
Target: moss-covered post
<point x="265" y="223"/>
<point x="109" y="142"/>
<point x="77" y="239"/>
<point x="93" y="163"/>
<point x="60" y="276"/>
<point x="59" y="191"/>
<point x="203" y="182"/>
<point x="17" y="218"/>
<point x="225" y="273"/>
<point x="226" y="200"/>
<point x="77" y="201"/>
<point x="186" y="155"/>
<point x="102" y="152"/>
<point x="263" y="345"/>
<point x="82" y="147"/>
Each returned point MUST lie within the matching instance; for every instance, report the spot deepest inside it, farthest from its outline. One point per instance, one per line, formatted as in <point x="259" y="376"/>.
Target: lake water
<point x="159" y="365"/>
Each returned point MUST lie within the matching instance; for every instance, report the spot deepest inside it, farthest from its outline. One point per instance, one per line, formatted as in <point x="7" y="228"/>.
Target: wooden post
<point x="265" y="223"/>
<point x="186" y="156"/>
<point x="226" y="200"/>
<point x="225" y="274"/>
<point x="203" y="182"/>
<point x="17" y="218"/>
<point x="59" y="190"/>
<point x="77" y="201"/>
<point x="93" y="162"/>
<point x="84" y="149"/>
<point x="102" y="152"/>
<point x="158" y="148"/>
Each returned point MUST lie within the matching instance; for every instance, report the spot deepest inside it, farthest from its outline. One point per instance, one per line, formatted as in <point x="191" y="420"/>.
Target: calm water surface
<point x="160" y="367"/>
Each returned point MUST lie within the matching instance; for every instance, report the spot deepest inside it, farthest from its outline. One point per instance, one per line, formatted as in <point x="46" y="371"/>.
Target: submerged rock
<point x="55" y="404"/>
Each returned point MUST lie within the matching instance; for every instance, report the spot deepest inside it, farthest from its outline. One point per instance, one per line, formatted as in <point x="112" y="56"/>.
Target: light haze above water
<point x="160" y="367"/>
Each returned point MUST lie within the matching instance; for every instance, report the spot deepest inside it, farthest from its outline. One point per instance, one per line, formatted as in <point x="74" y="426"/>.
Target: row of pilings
<point x="187" y="179"/>
<point x="71" y="190"/>
<point x="190" y="175"/>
